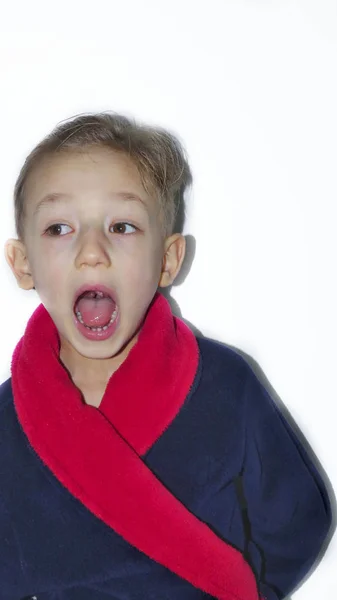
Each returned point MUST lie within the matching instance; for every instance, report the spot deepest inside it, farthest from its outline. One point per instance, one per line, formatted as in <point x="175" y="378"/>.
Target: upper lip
<point x="99" y="287"/>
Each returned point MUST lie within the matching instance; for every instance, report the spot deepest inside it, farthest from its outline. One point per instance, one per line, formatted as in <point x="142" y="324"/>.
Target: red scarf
<point x="96" y="452"/>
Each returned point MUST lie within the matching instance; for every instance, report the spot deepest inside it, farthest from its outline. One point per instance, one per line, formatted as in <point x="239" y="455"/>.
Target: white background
<point x="250" y="88"/>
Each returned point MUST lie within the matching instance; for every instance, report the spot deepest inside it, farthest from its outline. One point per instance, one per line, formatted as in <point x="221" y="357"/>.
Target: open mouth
<point x="95" y="309"/>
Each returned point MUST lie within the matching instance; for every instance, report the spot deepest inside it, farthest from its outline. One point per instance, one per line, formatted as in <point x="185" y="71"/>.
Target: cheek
<point x="146" y="266"/>
<point x="140" y="275"/>
<point x="51" y="280"/>
<point x="54" y="274"/>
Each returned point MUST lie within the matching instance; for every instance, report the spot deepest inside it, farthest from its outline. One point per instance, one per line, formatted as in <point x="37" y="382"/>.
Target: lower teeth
<point x="113" y="317"/>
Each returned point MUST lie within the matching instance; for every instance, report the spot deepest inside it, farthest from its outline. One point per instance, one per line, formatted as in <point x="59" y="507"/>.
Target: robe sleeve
<point x="10" y="564"/>
<point x="287" y="505"/>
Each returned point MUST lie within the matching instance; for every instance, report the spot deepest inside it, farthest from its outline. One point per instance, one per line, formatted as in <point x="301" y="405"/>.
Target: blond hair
<point x="157" y="153"/>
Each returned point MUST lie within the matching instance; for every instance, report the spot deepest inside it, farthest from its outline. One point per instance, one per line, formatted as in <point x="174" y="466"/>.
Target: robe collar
<point x="96" y="452"/>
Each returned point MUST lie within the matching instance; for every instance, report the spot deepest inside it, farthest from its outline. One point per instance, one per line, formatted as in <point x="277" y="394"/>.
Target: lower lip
<point x="96" y="336"/>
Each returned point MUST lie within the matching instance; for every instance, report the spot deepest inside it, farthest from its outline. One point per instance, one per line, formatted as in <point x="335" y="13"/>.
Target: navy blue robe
<point x="229" y="456"/>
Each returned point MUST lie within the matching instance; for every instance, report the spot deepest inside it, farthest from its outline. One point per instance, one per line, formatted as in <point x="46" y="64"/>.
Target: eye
<point x="122" y="224"/>
<point x="52" y="228"/>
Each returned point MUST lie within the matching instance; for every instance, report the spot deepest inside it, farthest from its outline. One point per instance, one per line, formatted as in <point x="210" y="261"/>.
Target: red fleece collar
<point x="76" y="441"/>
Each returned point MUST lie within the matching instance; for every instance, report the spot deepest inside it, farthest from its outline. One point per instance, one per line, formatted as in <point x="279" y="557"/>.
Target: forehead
<point x="79" y="170"/>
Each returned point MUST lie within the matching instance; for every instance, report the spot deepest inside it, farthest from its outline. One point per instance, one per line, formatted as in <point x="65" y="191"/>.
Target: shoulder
<point x="229" y="375"/>
<point x="6" y="393"/>
<point x="221" y="382"/>
<point x="8" y="420"/>
<point x="222" y="360"/>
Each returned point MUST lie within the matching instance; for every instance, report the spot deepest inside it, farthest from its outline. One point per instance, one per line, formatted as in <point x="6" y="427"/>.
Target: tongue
<point x="96" y="312"/>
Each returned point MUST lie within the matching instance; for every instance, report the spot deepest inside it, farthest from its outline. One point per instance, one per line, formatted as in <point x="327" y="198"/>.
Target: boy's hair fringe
<point x="158" y="154"/>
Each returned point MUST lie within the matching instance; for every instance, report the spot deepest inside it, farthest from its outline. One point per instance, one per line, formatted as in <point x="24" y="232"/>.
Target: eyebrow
<point x="58" y="197"/>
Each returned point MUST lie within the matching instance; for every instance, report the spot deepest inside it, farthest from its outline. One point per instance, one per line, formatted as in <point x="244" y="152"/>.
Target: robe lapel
<point x="96" y="453"/>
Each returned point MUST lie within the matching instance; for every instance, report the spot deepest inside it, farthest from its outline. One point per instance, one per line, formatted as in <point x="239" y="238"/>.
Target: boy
<point x="127" y="443"/>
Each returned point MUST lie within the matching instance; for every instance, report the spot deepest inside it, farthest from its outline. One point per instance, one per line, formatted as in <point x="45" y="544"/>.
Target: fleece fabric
<point x="185" y="483"/>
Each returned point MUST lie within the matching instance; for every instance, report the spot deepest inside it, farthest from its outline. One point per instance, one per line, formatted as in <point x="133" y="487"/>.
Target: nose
<point x="92" y="249"/>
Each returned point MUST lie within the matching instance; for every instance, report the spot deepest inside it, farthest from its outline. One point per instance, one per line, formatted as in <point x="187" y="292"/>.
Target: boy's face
<point x="89" y="249"/>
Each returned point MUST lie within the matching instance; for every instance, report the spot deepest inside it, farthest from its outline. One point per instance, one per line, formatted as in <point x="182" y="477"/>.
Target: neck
<point x="90" y="375"/>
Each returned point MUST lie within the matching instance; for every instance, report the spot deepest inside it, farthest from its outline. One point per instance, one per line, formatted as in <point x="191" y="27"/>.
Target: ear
<point x="174" y="254"/>
<point x="16" y="257"/>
